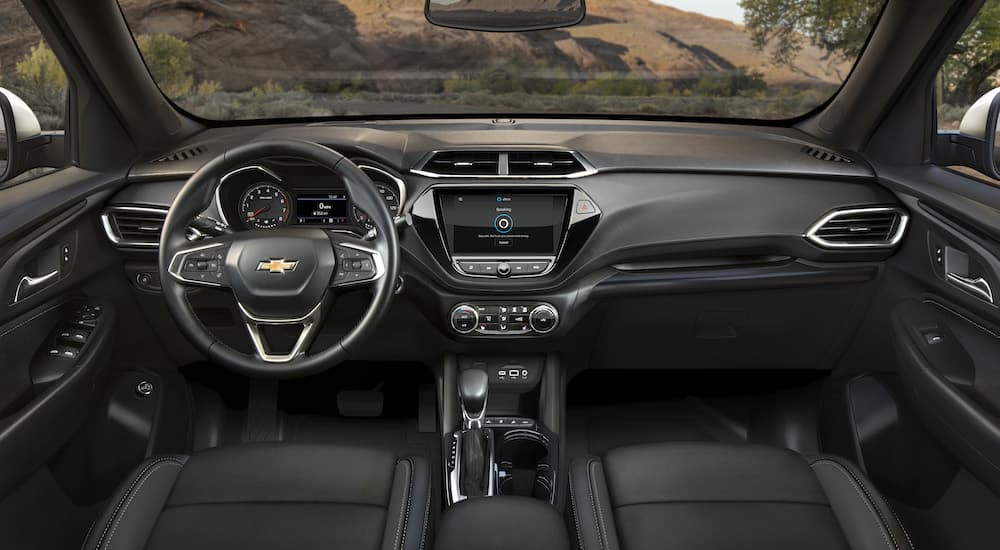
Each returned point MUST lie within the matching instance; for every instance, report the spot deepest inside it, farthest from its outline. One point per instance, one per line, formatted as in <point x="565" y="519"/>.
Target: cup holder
<point x="524" y="465"/>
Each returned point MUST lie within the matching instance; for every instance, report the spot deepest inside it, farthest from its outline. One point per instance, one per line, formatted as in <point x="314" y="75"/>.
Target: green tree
<point x="169" y="61"/>
<point x="42" y="81"/>
<point x="841" y="28"/>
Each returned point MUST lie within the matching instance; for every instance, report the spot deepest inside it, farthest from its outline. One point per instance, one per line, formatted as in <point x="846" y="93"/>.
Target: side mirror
<point x="976" y="140"/>
<point x="23" y="144"/>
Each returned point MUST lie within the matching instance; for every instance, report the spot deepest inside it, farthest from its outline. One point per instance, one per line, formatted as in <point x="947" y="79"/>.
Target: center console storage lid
<point x="501" y="523"/>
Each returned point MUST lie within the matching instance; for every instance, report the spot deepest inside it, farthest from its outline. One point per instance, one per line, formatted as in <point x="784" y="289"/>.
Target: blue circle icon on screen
<point x="503" y="223"/>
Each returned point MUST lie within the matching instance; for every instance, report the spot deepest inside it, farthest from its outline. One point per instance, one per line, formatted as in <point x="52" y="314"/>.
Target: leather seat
<point x="277" y="495"/>
<point x="720" y="496"/>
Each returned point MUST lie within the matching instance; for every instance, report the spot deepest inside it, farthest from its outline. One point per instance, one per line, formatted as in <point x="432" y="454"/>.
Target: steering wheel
<point x="286" y="277"/>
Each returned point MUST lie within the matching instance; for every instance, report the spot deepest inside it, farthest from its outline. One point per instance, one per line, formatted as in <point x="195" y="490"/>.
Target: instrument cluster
<point x="286" y="192"/>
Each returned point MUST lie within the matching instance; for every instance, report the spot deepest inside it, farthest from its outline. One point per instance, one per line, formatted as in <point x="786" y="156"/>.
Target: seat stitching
<point x="404" y="512"/>
<point x="131" y="497"/>
<point x="858" y="488"/>
<point x="427" y="515"/>
<point x="901" y="526"/>
<point x="576" y="516"/>
<point x="135" y="480"/>
<point x="595" y="503"/>
<point x="875" y="504"/>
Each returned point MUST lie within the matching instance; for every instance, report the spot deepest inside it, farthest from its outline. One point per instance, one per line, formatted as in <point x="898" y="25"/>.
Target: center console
<point x="509" y="452"/>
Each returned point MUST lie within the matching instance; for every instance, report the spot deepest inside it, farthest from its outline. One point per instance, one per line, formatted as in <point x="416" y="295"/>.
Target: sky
<point x="723" y="9"/>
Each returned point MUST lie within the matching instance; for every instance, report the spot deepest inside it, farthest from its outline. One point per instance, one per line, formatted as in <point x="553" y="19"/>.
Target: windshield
<point x="756" y="59"/>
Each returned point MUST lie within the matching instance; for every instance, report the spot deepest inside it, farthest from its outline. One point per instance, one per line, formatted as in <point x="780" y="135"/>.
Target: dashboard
<point x="521" y="231"/>
<point x="276" y="193"/>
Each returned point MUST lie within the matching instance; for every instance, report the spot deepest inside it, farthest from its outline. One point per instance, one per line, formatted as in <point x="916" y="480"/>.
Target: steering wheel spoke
<point x="308" y="326"/>
<point x="201" y="265"/>
<point x="358" y="263"/>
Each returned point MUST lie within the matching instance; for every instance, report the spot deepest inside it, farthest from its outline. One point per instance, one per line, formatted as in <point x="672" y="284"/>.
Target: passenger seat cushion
<point x="722" y="496"/>
<point x="271" y="496"/>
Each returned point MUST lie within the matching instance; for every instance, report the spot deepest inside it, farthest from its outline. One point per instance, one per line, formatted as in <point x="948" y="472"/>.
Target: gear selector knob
<point x="473" y="387"/>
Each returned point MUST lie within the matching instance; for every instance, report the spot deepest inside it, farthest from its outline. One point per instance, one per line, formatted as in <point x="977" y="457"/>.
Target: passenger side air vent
<point x="543" y="163"/>
<point x="464" y="163"/>
<point x="824" y="155"/>
<point x="879" y="227"/>
<point x="134" y="226"/>
<point x="183" y="154"/>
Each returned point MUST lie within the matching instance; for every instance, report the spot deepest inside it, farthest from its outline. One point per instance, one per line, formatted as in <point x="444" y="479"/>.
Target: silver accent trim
<point x="176" y="274"/>
<point x="894" y="239"/>
<point x="503" y="167"/>
<point x="377" y="263"/>
<point x="978" y="287"/>
<point x="555" y="314"/>
<point x="116" y="238"/>
<point x="399" y="183"/>
<point x="29" y="282"/>
<point x="310" y="322"/>
<point x="218" y="202"/>
<point x="455" y="475"/>
<point x="193" y="234"/>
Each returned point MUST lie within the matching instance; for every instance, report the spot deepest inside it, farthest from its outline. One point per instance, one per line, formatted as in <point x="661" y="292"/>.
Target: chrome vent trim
<point x="507" y="163"/>
<point x="873" y="227"/>
<point x="183" y="154"/>
<point x="138" y="226"/>
<point x="825" y="155"/>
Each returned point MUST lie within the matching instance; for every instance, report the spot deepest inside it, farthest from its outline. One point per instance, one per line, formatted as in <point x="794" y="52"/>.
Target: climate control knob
<point x="543" y="318"/>
<point x="464" y="319"/>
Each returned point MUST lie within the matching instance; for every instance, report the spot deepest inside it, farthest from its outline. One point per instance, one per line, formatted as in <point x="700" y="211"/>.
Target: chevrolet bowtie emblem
<point x="277" y="266"/>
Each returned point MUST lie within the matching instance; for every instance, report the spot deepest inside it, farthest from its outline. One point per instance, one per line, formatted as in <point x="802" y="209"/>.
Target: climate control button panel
<point x="504" y="318"/>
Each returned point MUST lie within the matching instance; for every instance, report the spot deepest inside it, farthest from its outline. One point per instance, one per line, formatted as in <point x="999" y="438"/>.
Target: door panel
<point x="55" y="341"/>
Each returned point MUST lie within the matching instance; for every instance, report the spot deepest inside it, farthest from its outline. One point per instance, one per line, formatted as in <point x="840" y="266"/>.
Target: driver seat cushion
<point x="270" y="495"/>
<point x="715" y="496"/>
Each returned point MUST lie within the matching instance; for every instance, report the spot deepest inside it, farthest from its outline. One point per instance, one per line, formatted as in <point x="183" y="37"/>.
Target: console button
<point x="464" y="319"/>
<point x="503" y="269"/>
<point x="543" y="318"/>
<point x="528" y="268"/>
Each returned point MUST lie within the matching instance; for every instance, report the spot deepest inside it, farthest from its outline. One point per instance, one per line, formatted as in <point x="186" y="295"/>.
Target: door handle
<point x="978" y="287"/>
<point x="30" y="285"/>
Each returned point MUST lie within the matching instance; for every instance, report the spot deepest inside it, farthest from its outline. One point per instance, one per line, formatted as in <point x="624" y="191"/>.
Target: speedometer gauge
<point x="265" y="206"/>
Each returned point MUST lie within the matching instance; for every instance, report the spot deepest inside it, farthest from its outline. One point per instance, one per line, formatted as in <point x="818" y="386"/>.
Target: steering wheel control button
<point x="543" y="319"/>
<point x="354" y="266"/>
<point x="202" y="265"/>
<point x="464" y="319"/>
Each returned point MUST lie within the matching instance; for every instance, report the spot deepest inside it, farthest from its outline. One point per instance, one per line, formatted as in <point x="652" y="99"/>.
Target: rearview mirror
<point x="505" y="15"/>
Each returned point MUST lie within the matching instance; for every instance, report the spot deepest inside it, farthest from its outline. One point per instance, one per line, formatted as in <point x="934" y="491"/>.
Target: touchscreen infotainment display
<point x="321" y="208"/>
<point x="503" y="224"/>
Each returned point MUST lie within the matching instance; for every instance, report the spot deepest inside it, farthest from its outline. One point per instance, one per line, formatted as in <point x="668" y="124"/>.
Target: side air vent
<point x="543" y="163"/>
<point x="464" y="163"/>
<point x="505" y="163"/>
<point x="878" y="227"/>
<point x="183" y="154"/>
<point x="139" y="226"/>
<point x="824" y="155"/>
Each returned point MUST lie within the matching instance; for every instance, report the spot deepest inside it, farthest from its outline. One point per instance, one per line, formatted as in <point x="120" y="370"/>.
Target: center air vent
<point x="878" y="227"/>
<point x="464" y="163"/>
<point x="501" y="163"/>
<point x="542" y="163"/>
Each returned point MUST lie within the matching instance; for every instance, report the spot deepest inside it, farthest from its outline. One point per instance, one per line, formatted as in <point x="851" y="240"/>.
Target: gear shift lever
<point x="473" y="389"/>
